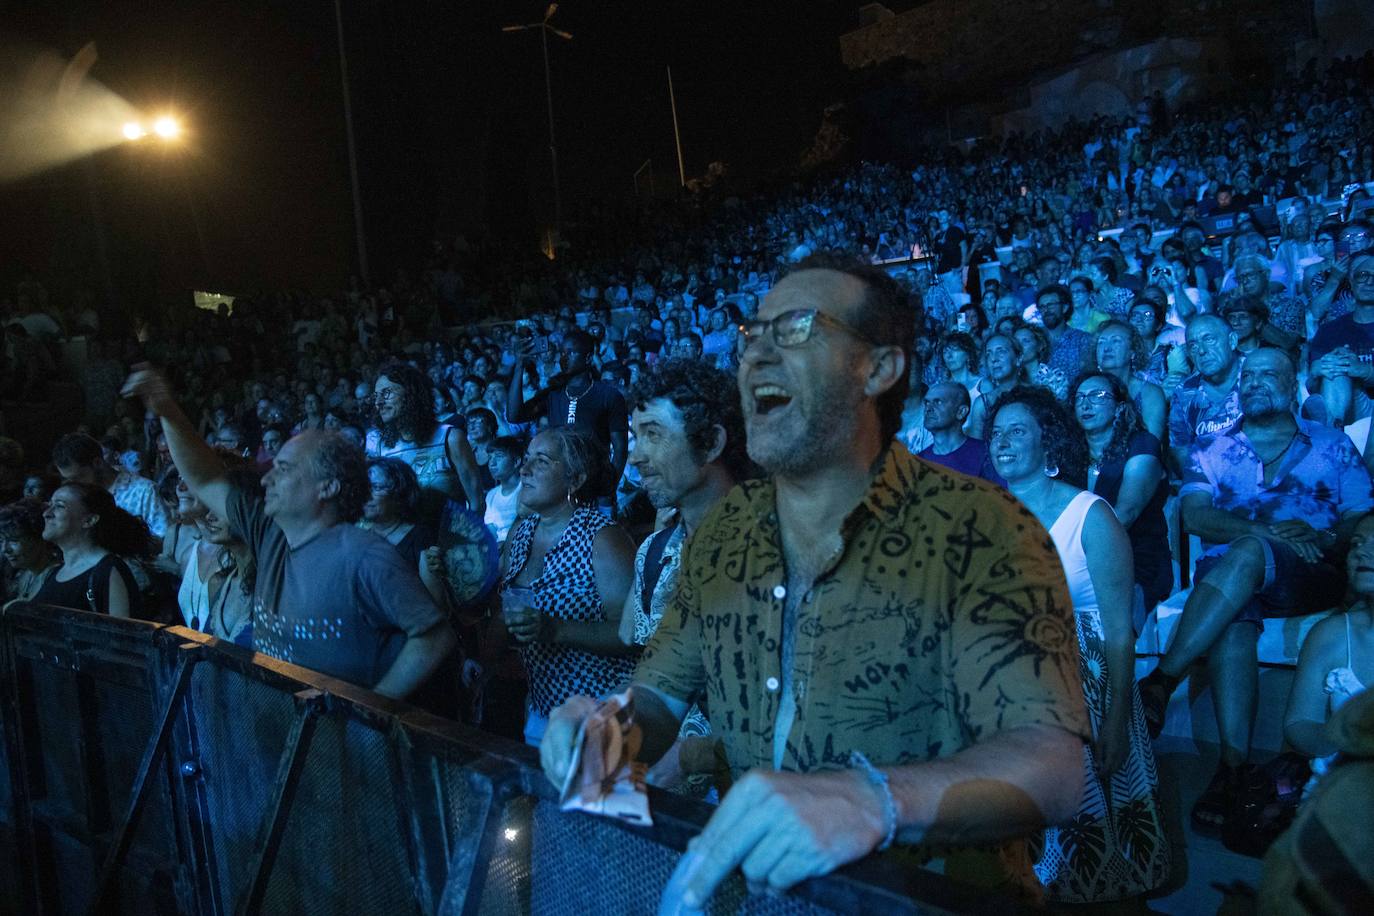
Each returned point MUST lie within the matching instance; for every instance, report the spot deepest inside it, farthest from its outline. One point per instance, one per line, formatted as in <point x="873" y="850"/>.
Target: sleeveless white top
<point x="1067" y="534"/>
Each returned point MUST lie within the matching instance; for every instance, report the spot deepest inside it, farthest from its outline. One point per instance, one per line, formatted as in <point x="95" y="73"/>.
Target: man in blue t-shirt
<point x="1208" y="401"/>
<point x="1341" y="354"/>
<point x="947" y="406"/>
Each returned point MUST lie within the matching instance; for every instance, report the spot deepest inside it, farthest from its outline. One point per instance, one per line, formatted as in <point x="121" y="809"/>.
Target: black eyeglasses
<point x="792" y="329"/>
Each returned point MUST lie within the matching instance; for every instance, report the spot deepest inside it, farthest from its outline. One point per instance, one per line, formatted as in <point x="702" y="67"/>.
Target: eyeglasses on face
<point x="385" y="395"/>
<point x="792" y="329"/>
<point x="1362" y="276"/>
<point x="1100" y="396"/>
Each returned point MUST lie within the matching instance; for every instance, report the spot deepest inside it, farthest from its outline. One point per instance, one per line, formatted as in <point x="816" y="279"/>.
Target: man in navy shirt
<point x="1341" y="354"/>
<point x="946" y="408"/>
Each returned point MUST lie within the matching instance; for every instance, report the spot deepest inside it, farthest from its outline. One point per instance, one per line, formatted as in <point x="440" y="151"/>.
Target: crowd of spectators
<point x="1106" y="320"/>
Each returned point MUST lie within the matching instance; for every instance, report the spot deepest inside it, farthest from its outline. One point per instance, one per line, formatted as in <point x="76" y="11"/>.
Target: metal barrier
<point x="155" y="770"/>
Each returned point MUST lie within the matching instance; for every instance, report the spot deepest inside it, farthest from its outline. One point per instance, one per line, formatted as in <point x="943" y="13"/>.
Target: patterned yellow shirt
<point x="944" y="619"/>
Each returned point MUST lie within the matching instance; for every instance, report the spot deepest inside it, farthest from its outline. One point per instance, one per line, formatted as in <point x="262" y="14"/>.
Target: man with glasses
<point x="439" y="454"/>
<point x="575" y="397"/>
<point x="887" y="647"/>
<point x="947" y="406"/>
<point x="1208" y="401"/>
<point x="1332" y="296"/>
<point x="1341" y="354"/>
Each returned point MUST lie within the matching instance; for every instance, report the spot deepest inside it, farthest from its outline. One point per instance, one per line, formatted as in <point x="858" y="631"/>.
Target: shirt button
<point x="771" y="683"/>
<point x="779" y="592"/>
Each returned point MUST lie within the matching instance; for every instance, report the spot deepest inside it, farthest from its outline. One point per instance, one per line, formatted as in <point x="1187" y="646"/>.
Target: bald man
<point x="1208" y="401"/>
<point x="1274" y="500"/>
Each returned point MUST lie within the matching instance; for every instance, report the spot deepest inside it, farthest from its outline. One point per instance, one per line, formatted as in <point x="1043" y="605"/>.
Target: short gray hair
<point x="335" y="457"/>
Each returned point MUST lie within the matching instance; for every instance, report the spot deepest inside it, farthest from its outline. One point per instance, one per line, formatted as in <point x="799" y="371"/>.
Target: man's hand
<point x="556" y="748"/>
<point x="152" y="387"/>
<point x="1294" y="529"/>
<point x="1304" y="540"/>
<point x="1333" y="364"/>
<point x="779" y="829"/>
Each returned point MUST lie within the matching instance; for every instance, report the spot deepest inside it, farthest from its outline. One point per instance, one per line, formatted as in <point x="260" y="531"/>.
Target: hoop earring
<point x="1051" y="470"/>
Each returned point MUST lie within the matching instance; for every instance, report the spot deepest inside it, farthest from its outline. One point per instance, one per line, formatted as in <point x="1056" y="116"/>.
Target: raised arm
<point x="197" y="463"/>
<point x="465" y="465"/>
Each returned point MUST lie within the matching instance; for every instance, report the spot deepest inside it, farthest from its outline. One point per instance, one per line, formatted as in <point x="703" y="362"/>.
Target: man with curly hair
<point x="689" y="451"/>
<point x="328" y="595"/>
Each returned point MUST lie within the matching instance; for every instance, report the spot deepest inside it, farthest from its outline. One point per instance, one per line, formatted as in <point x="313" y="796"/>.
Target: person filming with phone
<point x="576" y="396"/>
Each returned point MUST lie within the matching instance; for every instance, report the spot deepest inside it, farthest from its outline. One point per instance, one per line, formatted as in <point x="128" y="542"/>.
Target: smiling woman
<point x="1117" y="847"/>
<point x="571" y="569"/>
<point x="83" y="522"/>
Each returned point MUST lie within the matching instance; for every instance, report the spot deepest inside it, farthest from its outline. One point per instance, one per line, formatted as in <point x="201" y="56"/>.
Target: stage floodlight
<point x="134" y="131"/>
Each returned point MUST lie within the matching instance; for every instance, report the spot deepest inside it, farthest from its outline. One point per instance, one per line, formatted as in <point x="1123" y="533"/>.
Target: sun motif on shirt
<point x="1035" y="627"/>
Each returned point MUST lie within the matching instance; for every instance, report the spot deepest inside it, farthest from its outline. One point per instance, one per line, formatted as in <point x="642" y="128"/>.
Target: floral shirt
<point x="646" y="619"/>
<point x="1320" y="479"/>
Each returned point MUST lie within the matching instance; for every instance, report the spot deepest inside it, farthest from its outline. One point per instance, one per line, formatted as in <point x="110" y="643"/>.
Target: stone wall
<point x="969" y="48"/>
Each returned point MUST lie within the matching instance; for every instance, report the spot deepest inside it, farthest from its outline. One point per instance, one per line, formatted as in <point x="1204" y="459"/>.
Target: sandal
<point x="1256" y="817"/>
<point x="1213" y="806"/>
<point x="1155" y="690"/>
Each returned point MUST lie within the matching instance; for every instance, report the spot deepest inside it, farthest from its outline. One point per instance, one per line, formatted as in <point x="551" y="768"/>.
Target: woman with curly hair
<point x="1115" y="848"/>
<point x="83" y="522"/>
<point x="28" y="560"/>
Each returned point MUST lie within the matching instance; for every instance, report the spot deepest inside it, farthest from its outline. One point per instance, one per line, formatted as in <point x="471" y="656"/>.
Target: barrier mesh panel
<point x="343" y="849"/>
<point x="241" y="725"/>
<point x="506" y="889"/>
<point x="56" y="739"/>
<point x="127" y="720"/>
<point x="586" y="864"/>
<point x="467" y="804"/>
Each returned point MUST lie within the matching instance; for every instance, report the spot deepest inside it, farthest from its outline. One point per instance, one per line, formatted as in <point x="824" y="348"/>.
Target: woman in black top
<point x="1125" y="468"/>
<point x="84" y="523"/>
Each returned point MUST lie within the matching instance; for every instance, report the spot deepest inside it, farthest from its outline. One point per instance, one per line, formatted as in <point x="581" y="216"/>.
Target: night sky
<point x="450" y="117"/>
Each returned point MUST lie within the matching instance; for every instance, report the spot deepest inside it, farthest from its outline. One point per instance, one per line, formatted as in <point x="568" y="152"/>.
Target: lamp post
<point x="545" y="27"/>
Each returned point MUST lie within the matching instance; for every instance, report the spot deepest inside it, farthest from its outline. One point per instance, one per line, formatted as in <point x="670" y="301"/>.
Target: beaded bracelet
<point x="879" y="781"/>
